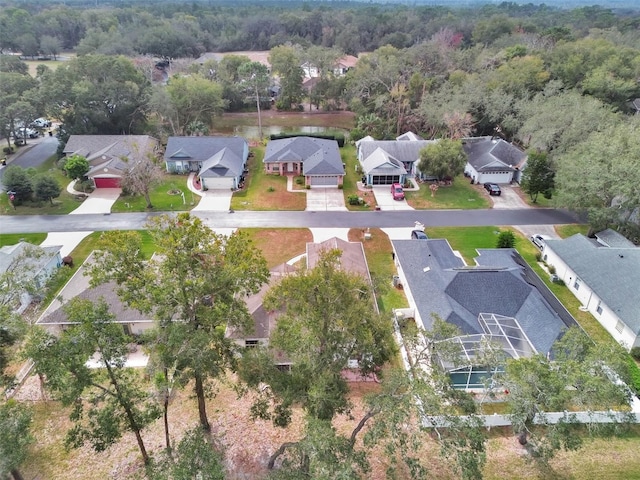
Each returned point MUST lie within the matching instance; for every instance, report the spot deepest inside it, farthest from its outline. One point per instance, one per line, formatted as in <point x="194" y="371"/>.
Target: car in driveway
<point x="397" y="192"/>
<point x="41" y="123"/>
<point x="419" y="235"/>
<point x="539" y="240"/>
<point x="493" y="189"/>
<point x="27" y="132"/>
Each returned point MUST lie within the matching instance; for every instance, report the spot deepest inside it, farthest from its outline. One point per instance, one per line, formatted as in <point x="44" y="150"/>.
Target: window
<point x="576" y="284"/>
<point x="251" y="343"/>
<point x="599" y="307"/>
<point x="619" y="326"/>
<point x="284" y="368"/>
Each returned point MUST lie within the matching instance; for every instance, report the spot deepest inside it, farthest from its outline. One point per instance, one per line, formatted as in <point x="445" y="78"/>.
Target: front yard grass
<point x="13" y="238"/>
<point x="350" y="186"/>
<point x="460" y="195"/>
<point x="62" y="205"/>
<point x="164" y="197"/>
<point x="467" y="239"/>
<point x="266" y="192"/>
<point x="281" y="244"/>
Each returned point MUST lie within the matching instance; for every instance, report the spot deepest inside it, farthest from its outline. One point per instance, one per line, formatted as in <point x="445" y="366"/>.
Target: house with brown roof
<point x="110" y="155"/>
<point x="54" y="319"/>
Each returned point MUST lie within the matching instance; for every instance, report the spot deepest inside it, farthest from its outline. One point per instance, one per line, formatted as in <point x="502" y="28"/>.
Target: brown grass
<point x="280" y="245"/>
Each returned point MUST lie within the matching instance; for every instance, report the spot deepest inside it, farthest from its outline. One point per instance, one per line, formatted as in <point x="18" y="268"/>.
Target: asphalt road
<point x="34" y="154"/>
<point x="304" y="219"/>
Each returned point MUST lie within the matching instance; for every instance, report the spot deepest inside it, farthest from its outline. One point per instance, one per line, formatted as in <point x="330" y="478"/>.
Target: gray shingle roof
<point x="220" y="156"/>
<point x="381" y="163"/>
<point x="35" y="257"/>
<point x="319" y="156"/>
<point x="490" y="154"/>
<point x="611" y="238"/>
<point x="442" y="285"/>
<point x="403" y="151"/>
<point x="612" y="273"/>
<point x="224" y="163"/>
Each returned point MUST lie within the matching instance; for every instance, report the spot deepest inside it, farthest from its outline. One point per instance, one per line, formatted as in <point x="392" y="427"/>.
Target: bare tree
<point x="140" y="176"/>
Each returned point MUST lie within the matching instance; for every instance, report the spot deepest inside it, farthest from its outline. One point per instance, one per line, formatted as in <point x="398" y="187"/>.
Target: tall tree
<point x="105" y="401"/>
<point x="46" y="188"/>
<point x="195" y="287"/>
<point x="76" y="167"/>
<point x="256" y="77"/>
<point x="538" y="176"/>
<point x="327" y="318"/>
<point x="285" y="61"/>
<point x="581" y="375"/>
<point x="193" y="99"/>
<point x="445" y="158"/>
<point x="141" y="175"/>
<point x="15" y="424"/>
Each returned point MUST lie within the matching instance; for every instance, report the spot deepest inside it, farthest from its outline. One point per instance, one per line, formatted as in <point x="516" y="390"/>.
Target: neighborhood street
<point x="34" y="153"/>
<point x="297" y="219"/>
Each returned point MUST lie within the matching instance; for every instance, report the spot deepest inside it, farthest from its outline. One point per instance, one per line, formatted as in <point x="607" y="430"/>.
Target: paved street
<point x="34" y="153"/>
<point x="271" y="219"/>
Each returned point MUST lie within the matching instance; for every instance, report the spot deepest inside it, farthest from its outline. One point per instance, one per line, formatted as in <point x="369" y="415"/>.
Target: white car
<point x="539" y="240"/>
<point x="41" y="123"/>
<point x="27" y="132"/>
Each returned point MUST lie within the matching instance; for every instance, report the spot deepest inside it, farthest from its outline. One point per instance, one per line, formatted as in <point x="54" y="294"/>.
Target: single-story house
<point x="54" y="318"/>
<point x="219" y="161"/>
<point x="384" y="162"/>
<point x="499" y="299"/>
<point x="352" y="259"/>
<point x="493" y="160"/>
<point x="317" y="159"/>
<point x="32" y="264"/>
<point x="604" y="275"/>
<point x="109" y="155"/>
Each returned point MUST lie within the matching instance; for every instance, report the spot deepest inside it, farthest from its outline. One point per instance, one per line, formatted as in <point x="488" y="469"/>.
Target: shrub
<point x="635" y="353"/>
<point x="506" y="239"/>
<point x="634" y="376"/>
<point x="7" y="150"/>
<point x="299" y="181"/>
<point x="353" y="199"/>
<point x="538" y="257"/>
<point x="558" y="281"/>
<point x="340" y="187"/>
<point x="308" y="187"/>
<point x="551" y="269"/>
<point x="271" y="189"/>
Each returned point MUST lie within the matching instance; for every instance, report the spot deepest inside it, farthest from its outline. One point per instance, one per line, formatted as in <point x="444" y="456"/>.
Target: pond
<point x="252" y="131"/>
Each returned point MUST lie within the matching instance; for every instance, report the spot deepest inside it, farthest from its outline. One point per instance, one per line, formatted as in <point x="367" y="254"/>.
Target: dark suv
<point x="492" y="188"/>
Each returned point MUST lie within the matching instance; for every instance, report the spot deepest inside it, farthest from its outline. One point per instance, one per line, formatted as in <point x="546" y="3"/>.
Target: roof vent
<point x="620" y="255"/>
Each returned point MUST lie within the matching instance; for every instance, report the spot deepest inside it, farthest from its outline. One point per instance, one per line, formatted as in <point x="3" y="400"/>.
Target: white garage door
<point x="501" y="177"/>
<point x="324" y="181"/>
<point x="219" y="183"/>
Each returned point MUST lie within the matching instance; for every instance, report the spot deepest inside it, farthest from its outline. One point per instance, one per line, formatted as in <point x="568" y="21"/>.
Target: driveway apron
<point x="385" y="201"/>
<point x="99" y="201"/>
<point x="214" y="201"/>
<point x="325" y="200"/>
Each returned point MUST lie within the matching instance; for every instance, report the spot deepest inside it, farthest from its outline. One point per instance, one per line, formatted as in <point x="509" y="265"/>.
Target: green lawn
<point x="266" y="192"/>
<point x="164" y="197"/>
<point x="459" y="195"/>
<point x="348" y="154"/>
<point x="13" y="238"/>
<point x="467" y="239"/>
<point x="62" y="205"/>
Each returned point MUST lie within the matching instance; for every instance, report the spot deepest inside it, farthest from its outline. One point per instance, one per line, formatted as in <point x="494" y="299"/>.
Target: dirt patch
<point x="280" y="245"/>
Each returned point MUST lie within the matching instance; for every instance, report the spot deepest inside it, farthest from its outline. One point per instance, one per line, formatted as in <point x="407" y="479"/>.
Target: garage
<point x="385" y="179"/>
<point x="107" y="182"/>
<point x="324" y="180"/>
<point x="218" y="183"/>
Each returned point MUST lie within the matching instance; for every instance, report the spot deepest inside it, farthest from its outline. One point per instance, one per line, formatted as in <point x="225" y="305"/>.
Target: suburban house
<point x="219" y="161"/>
<point x="54" y="318"/>
<point x="352" y="259"/>
<point x="384" y="162"/>
<point x="339" y="69"/>
<point x="32" y="264"/>
<point x="604" y="275"/>
<point x="109" y="155"/>
<point x="317" y="159"/>
<point x="500" y="299"/>
<point x="492" y="160"/>
<point x="260" y="56"/>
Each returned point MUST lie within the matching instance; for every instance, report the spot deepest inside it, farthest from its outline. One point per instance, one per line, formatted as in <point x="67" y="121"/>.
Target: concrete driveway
<point x="509" y="199"/>
<point x="214" y="201"/>
<point x="99" y="201"/>
<point x="68" y="241"/>
<point x="386" y="202"/>
<point x="325" y="200"/>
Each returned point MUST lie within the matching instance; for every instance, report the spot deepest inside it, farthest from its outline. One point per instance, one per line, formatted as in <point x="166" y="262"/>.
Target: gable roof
<point x="319" y="156"/>
<point x="612" y="273"/>
<point x="219" y="156"/>
<point x="380" y="162"/>
<point x="409" y="136"/>
<point x="78" y="287"/>
<point x="352" y="258"/>
<point x="500" y="283"/>
<point x="403" y="151"/>
<point x="110" y="151"/>
<point x="611" y="238"/>
<point x="488" y="153"/>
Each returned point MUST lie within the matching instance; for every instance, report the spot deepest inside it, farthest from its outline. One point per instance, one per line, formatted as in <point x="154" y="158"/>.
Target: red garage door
<point x="107" y="182"/>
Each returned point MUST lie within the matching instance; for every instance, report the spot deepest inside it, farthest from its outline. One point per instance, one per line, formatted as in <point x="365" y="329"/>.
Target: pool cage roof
<point x="498" y="331"/>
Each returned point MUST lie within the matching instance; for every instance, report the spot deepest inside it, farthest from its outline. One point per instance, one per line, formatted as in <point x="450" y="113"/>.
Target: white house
<point x="492" y="160"/>
<point x="604" y="275"/>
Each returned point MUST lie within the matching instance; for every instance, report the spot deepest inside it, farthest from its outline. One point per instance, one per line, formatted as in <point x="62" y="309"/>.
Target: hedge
<point x="337" y="137"/>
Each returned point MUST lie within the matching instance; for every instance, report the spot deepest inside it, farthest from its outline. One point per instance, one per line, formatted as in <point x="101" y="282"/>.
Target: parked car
<point x="539" y="240"/>
<point x="397" y="192"/>
<point x="493" y="189"/>
<point x="419" y="235"/>
<point x="27" y="132"/>
<point x="41" y="123"/>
